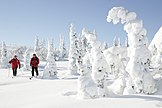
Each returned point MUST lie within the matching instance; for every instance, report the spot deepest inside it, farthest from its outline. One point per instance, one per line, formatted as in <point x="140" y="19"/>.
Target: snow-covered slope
<point x="20" y="92"/>
<point x="156" y="43"/>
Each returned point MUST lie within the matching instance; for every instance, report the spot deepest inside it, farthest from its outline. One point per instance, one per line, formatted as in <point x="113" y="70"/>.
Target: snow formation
<point x="50" y="71"/>
<point x="156" y="44"/>
<point x="40" y="49"/>
<point x="138" y="65"/>
<point x="72" y="68"/>
<point x="4" y="59"/>
<point x="99" y="64"/>
<point x="27" y="57"/>
<point x="104" y="46"/>
<point x="62" y="49"/>
<point x="86" y="86"/>
<point x="19" y="51"/>
<point x="156" y="50"/>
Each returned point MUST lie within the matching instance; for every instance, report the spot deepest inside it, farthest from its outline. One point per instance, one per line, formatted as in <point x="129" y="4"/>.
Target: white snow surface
<point x="156" y="43"/>
<point x="20" y="92"/>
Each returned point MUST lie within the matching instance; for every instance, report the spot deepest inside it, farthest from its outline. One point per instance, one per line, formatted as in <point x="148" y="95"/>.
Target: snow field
<point x="20" y="92"/>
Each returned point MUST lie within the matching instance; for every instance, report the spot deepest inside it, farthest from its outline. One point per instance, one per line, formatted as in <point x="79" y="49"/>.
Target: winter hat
<point x="34" y="54"/>
<point x="15" y="55"/>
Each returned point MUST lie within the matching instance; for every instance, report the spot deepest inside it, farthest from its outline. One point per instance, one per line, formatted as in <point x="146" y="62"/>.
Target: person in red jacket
<point x="34" y="63"/>
<point x="15" y="64"/>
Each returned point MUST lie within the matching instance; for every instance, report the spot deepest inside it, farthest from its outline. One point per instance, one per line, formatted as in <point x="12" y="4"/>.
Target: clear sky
<point x="22" y="20"/>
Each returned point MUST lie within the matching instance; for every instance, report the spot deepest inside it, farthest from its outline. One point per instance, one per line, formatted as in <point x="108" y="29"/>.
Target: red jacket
<point x="34" y="61"/>
<point x="15" y="63"/>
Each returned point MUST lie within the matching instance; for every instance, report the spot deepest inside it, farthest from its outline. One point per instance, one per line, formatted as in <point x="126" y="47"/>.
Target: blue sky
<point x="22" y="20"/>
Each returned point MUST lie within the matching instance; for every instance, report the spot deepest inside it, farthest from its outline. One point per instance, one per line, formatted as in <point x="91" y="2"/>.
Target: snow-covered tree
<point x="79" y="58"/>
<point x="156" y="51"/>
<point x="56" y="54"/>
<point x="50" y="48"/>
<point x="84" y="41"/>
<point x="4" y="59"/>
<point x="116" y="56"/>
<point x="40" y="49"/>
<point x="99" y="65"/>
<point x="81" y="50"/>
<point x="50" y="71"/>
<point x="42" y="53"/>
<point x="126" y="42"/>
<point x="36" y="44"/>
<point x="62" y="48"/>
<point x="27" y="57"/>
<point x="115" y="41"/>
<point x="86" y="86"/>
<point x="72" y="68"/>
<point x="19" y="51"/>
<point x="104" y="46"/>
<point x="156" y="43"/>
<point x="119" y="42"/>
<point x="138" y="65"/>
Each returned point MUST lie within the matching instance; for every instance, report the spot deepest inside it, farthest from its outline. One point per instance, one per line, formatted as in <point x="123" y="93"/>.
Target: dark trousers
<point x="36" y="70"/>
<point x="14" y="71"/>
